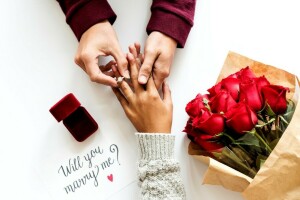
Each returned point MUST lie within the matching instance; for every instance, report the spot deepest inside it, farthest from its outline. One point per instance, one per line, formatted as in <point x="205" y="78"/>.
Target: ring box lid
<point x="66" y="106"/>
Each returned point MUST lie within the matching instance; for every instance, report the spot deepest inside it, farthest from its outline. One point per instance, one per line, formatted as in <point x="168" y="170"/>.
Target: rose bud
<point x="261" y="82"/>
<point x="214" y="89"/>
<point x="189" y="129"/>
<point x="250" y="95"/>
<point x="241" y="118"/>
<point x="275" y="97"/>
<point x="222" y="102"/>
<point x="232" y="85"/>
<point x="245" y="73"/>
<point x="204" y="142"/>
<point x="194" y="107"/>
<point x="209" y="123"/>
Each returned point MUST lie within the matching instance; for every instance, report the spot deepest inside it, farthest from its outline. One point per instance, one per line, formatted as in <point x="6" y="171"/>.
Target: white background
<point x="37" y="69"/>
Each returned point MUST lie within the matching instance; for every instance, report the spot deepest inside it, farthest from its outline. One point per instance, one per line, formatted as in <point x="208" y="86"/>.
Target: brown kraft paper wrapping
<point x="279" y="177"/>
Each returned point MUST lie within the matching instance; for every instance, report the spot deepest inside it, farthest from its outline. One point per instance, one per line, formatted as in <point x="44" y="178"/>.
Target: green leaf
<point x="248" y="139"/>
<point x="269" y="110"/>
<point x="289" y="111"/>
<point x="290" y="106"/>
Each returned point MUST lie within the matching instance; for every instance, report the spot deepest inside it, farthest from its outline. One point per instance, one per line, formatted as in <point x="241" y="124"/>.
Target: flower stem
<point x="251" y="172"/>
<point x="263" y="141"/>
<point x="233" y="141"/>
<point x="282" y="118"/>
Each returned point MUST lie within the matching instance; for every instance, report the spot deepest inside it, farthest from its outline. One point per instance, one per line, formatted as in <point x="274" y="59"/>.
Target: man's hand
<point x="142" y="104"/>
<point x="100" y="40"/>
<point x="159" y="53"/>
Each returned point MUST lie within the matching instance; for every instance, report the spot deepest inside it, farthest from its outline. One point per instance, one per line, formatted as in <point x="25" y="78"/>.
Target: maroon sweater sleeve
<point x="82" y="14"/>
<point x="174" y="18"/>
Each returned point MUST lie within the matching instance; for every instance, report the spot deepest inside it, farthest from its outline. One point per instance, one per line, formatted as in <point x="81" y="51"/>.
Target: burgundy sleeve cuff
<point x="171" y="25"/>
<point x="90" y="13"/>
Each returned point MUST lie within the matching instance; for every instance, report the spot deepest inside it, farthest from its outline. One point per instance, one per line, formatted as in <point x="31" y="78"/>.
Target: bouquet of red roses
<point x="240" y="120"/>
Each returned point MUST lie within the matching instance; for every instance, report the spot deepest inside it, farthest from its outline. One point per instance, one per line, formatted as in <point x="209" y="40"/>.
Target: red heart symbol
<point x="110" y="177"/>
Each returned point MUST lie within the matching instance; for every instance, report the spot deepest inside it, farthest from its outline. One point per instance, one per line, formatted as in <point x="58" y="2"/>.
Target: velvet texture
<point x="173" y="18"/>
<point x="80" y="124"/>
<point x="75" y="117"/>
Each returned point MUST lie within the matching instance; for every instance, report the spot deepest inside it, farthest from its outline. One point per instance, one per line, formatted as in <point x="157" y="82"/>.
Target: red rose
<point x="205" y="143"/>
<point x="189" y="129"/>
<point x="215" y="89"/>
<point x="275" y="96"/>
<point x="222" y="102"/>
<point x="245" y="73"/>
<point x="250" y="94"/>
<point x="209" y="123"/>
<point x="261" y="82"/>
<point x="232" y="85"/>
<point x="194" y="107"/>
<point x="241" y="118"/>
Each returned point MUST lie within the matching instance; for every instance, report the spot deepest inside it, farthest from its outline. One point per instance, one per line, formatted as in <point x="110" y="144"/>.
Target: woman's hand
<point x="142" y="104"/>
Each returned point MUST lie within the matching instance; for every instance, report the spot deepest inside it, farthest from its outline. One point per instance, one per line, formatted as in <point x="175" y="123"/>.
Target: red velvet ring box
<point x="75" y="117"/>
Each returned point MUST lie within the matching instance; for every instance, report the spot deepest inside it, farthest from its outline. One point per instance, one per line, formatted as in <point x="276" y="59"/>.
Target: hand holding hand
<point x="143" y="105"/>
<point x="100" y="40"/>
<point x="159" y="53"/>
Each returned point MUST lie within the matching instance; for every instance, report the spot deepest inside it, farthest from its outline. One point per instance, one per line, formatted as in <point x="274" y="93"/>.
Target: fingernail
<point x="126" y="74"/>
<point x="143" y="79"/>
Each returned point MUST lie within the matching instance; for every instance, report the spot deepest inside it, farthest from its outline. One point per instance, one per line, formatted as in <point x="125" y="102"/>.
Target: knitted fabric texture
<point x="158" y="171"/>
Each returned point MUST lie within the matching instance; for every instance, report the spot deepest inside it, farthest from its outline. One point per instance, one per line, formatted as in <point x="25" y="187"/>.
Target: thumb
<point x="122" y="63"/>
<point x="167" y="98"/>
<point x="146" y="67"/>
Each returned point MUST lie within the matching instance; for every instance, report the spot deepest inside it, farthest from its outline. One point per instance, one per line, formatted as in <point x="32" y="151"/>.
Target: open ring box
<point x="75" y="117"/>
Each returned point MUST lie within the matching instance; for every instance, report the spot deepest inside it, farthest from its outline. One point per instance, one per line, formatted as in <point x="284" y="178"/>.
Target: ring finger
<point x="123" y="85"/>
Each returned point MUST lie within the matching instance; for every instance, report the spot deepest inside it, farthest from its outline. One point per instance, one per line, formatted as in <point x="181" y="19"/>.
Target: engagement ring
<point x="120" y="79"/>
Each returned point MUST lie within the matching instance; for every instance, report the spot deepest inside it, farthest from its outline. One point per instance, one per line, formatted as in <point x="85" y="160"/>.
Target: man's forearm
<point x="173" y="18"/>
<point x="82" y="14"/>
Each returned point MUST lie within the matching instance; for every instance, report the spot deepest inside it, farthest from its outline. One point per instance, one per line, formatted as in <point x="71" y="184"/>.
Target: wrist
<point x="94" y="28"/>
<point x="171" y="41"/>
<point x="165" y="128"/>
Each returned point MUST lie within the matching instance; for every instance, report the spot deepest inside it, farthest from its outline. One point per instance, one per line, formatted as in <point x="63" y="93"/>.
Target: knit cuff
<point x="89" y="14"/>
<point x="153" y="146"/>
<point x="171" y="25"/>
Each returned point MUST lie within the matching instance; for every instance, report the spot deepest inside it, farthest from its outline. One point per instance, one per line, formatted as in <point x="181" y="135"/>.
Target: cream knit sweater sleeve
<point x="158" y="171"/>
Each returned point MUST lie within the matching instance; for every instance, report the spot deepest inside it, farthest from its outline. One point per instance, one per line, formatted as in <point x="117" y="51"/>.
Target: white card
<point x="95" y="169"/>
